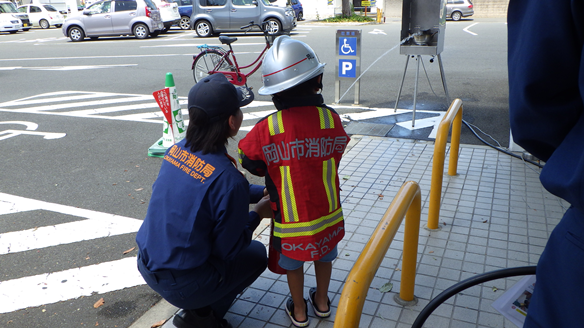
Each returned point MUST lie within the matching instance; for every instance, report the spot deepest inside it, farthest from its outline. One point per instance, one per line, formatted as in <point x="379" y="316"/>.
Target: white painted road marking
<point x="59" y="286"/>
<point x="467" y="31"/>
<point x="30" y="127"/>
<point x="89" y="105"/>
<point x="48" y="288"/>
<point x="95" y="225"/>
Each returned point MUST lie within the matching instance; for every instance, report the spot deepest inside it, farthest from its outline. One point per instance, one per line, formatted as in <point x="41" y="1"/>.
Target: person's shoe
<point x="320" y="314"/>
<point x="224" y="324"/>
<point x="190" y="319"/>
<point x="290" y="311"/>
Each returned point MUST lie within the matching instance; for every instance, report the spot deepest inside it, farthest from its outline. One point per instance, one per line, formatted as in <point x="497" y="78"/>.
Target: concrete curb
<point x="161" y="311"/>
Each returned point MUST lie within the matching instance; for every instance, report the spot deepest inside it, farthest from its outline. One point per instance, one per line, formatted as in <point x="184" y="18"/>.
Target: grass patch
<point x="352" y="18"/>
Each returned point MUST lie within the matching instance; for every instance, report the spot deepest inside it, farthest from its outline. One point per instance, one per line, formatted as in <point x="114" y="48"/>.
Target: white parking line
<point x="92" y="225"/>
<point x="91" y="57"/>
<point x="59" y="286"/>
<point x="467" y="31"/>
<point x="82" y="104"/>
<point x="53" y="287"/>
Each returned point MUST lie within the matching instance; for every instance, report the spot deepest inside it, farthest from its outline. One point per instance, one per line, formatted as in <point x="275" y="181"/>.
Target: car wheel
<point x="274" y="26"/>
<point x="25" y="29"/>
<point x="154" y="34"/>
<point x="164" y="30"/>
<point x="300" y="16"/>
<point x="76" y="34"/>
<point x="13" y="32"/>
<point x="140" y="31"/>
<point x="44" y="24"/>
<point x="204" y="29"/>
<point x="456" y="16"/>
<point x="185" y="23"/>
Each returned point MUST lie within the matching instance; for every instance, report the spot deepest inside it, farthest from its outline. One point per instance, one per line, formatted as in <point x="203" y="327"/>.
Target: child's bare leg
<point x="323" y="271"/>
<point x="296" y="285"/>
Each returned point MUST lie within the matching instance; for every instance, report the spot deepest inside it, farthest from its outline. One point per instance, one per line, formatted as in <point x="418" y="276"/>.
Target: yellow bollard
<point x="452" y="118"/>
<point x="407" y="203"/>
<point x="378" y="16"/>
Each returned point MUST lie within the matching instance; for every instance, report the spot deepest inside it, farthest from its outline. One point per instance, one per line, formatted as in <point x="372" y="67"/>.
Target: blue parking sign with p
<point x="348" y="68"/>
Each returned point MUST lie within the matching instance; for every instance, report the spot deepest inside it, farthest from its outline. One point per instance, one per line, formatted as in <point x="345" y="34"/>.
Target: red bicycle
<point x="216" y="59"/>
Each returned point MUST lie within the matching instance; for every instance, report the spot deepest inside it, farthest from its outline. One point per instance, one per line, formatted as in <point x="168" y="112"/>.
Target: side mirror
<point x="254" y="2"/>
<point x="86" y="12"/>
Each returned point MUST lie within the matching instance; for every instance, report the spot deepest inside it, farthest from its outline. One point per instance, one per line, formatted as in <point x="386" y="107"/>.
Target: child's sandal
<point x="290" y="311"/>
<point x="320" y="314"/>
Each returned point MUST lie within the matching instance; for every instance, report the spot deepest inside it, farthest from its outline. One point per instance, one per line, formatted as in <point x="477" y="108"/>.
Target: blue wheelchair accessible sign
<point x="347" y="46"/>
<point x="348" y="68"/>
<point x="348" y="61"/>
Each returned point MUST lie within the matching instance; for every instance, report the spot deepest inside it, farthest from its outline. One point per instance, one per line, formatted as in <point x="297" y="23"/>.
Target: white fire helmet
<point x="288" y="63"/>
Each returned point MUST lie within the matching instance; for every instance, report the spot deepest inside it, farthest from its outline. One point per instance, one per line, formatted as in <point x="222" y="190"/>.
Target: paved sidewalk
<point x="495" y="214"/>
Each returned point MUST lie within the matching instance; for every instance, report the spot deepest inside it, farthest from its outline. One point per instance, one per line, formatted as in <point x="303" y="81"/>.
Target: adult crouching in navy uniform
<point x="196" y="247"/>
<point x="546" y="103"/>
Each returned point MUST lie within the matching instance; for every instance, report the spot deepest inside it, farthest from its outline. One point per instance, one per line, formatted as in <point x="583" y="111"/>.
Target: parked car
<point x="456" y="9"/>
<point x="295" y="4"/>
<point x="9" y="23"/>
<point x="113" y="18"/>
<point x="168" y="13"/>
<point x="44" y="16"/>
<point x="185" y="10"/>
<point x="9" y="8"/>
<point x="216" y="16"/>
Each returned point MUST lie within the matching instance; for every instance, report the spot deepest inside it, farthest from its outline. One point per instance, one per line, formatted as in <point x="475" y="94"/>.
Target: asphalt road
<point x="77" y="119"/>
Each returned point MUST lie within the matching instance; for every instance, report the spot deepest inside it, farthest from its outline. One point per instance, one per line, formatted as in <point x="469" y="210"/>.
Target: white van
<point x="168" y="13"/>
<point x="212" y="17"/>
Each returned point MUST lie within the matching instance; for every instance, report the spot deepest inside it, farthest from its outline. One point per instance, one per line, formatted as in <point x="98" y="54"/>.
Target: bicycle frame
<point x="238" y="77"/>
<point x="235" y="74"/>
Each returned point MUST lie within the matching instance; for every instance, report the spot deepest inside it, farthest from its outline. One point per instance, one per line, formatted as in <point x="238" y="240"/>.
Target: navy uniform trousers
<point x="215" y="285"/>
<point x="559" y="287"/>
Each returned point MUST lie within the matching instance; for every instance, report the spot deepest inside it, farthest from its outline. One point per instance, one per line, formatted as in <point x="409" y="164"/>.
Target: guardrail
<point x="407" y="203"/>
<point x="452" y="118"/>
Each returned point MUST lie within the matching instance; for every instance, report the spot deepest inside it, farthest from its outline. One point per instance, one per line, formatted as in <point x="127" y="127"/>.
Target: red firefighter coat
<point x="298" y="150"/>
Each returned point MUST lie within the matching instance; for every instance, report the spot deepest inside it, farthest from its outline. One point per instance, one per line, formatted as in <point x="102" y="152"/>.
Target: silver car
<point x="140" y="18"/>
<point x="212" y="17"/>
<point x="456" y="9"/>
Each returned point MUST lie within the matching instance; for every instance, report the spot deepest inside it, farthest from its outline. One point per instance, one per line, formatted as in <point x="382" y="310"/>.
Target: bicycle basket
<point x="270" y="39"/>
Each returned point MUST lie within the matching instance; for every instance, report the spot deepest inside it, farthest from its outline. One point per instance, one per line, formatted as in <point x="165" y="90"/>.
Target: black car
<point x="8" y="7"/>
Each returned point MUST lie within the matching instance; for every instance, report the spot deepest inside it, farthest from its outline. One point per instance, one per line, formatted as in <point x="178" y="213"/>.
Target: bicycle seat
<point x="226" y="39"/>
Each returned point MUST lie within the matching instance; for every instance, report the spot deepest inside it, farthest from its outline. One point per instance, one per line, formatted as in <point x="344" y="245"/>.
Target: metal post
<point x="418" y="58"/>
<point x="402" y="83"/>
<point x="337" y="91"/>
<point x="357" y="91"/>
<point x="443" y="78"/>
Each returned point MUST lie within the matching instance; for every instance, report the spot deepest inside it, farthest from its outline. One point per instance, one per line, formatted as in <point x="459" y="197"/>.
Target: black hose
<point x="472" y="281"/>
<point x="501" y="149"/>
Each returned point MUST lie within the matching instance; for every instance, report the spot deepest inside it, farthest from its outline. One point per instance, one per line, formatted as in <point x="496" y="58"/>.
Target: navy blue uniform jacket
<point x="546" y="72"/>
<point x="199" y="211"/>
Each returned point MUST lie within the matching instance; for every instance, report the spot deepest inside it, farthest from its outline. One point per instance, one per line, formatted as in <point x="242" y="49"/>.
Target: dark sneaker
<point x="320" y="314"/>
<point x="189" y="319"/>
<point x="290" y="311"/>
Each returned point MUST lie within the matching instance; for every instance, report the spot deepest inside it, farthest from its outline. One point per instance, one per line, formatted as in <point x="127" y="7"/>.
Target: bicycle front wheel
<point x="209" y="62"/>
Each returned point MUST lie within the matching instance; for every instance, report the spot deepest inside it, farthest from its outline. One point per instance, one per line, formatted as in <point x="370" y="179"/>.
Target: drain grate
<point x="368" y="129"/>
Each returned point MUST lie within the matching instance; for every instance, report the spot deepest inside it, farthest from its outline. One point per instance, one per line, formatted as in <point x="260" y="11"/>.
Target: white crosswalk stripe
<point x="52" y="287"/>
<point x="143" y="108"/>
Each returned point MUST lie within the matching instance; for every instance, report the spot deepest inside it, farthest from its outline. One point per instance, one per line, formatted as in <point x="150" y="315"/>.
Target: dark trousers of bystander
<point x="557" y="299"/>
<point x="206" y="285"/>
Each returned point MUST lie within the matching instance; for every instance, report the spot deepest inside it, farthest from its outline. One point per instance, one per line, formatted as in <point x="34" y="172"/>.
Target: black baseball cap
<point x="218" y="97"/>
